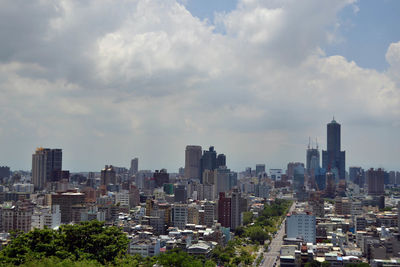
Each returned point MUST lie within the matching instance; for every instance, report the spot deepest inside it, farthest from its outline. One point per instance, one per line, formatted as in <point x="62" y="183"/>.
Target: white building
<point x="180" y="215"/>
<point x="46" y="216"/>
<point x="275" y="174"/>
<point x="122" y="198"/>
<point x="23" y="188"/>
<point x="301" y="225"/>
<point x="145" y="248"/>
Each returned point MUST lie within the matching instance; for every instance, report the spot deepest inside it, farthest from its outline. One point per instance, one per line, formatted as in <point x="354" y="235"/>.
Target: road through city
<point x="271" y="257"/>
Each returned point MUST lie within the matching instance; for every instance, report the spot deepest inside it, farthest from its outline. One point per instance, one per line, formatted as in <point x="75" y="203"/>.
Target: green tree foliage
<point x="256" y="234"/>
<point x="90" y="241"/>
<point x="178" y="258"/>
<point x="247" y="217"/>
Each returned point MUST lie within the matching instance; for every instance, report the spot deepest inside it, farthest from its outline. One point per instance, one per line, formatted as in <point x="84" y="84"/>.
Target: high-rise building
<point x="275" y="174"/>
<point x="161" y="177"/>
<point x="108" y="176"/>
<point x="301" y="226"/>
<point x="193" y="214"/>
<point x="221" y="160"/>
<point x="44" y="162"/>
<point x="298" y="182"/>
<point x="354" y="173"/>
<point x="66" y="201"/>
<point x="180" y="194"/>
<point x="134" y="166"/>
<point x="330" y="185"/>
<point x="290" y="168"/>
<point x="224" y="210"/>
<point x="312" y="159"/>
<point x="16" y="217"/>
<point x="209" y="213"/>
<point x="192" y="162"/>
<point x="208" y="161"/>
<point x="4" y="173"/>
<point x="223" y="174"/>
<point x="180" y="215"/>
<point x="235" y="209"/>
<point x="260" y="169"/>
<point x="333" y="159"/>
<point x="375" y="182"/>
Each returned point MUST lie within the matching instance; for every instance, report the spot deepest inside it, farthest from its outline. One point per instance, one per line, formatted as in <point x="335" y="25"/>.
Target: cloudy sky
<point x="110" y="80"/>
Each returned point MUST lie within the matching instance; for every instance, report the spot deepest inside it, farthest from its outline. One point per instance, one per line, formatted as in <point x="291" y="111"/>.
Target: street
<point x="271" y="258"/>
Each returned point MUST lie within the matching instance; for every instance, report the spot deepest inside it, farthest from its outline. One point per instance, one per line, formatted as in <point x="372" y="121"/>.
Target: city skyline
<point x="307" y="159"/>
<point x="111" y="81"/>
<point x="333" y="137"/>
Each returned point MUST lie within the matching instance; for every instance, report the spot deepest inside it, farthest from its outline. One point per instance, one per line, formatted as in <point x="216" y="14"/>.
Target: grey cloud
<point x="109" y="80"/>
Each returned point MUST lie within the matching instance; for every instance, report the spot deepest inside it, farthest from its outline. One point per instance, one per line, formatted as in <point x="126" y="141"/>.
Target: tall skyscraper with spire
<point x="333" y="159"/>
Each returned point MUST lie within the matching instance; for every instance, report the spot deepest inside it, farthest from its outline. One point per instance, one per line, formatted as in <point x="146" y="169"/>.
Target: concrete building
<point x="44" y="162"/>
<point x="301" y="225"/>
<point x="180" y="194"/>
<point x="108" y="176"/>
<point x="312" y="159"/>
<point x="46" y="216"/>
<point x="161" y="177"/>
<point x="236" y="218"/>
<point x="275" y="174"/>
<point x="291" y="167"/>
<point x="223" y="175"/>
<point x="16" y="216"/>
<point x="260" y="169"/>
<point x="66" y="201"/>
<point x="209" y="213"/>
<point x="224" y="210"/>
<point x="208" y="161"/>
<point x="134" y="166"/>
<point x="193" y="214"/>
<point x="192" y="162"/>
<point x="180" y="215"/>
<point x="375" y="182"/>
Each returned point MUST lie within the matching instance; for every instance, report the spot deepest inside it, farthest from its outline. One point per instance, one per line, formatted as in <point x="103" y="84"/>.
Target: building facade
<point x="44" y="162"/>
<point x="301" y="226"/>
<point x="192" y="162"/>
<point x="333" y="159"/>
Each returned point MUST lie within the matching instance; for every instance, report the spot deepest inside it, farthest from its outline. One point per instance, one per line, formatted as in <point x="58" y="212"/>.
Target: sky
<point x="108" y="81"/>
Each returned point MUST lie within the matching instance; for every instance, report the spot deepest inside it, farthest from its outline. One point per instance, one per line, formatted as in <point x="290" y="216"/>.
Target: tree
<point x="90" y="241"/>
<point x="247" y="217"/>
<point x="256" y="234"/>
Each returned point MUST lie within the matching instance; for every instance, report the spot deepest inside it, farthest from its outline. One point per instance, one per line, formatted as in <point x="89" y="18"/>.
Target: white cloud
<point x="110" y="80"/>
<point x="393" y="58"/>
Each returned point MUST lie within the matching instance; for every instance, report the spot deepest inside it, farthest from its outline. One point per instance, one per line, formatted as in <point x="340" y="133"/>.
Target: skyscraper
<point x="333" y="159"/>
<point x="134" y="166"/>
<point x="208" y="161"/>
<point x="221" y="160"/>
<point x="44" y="162"/>
<point x="161" y="177"/>
<point x="235" y="208"/>
<point x="260" y="169"/>
<point x="298" y="182"/>
<point x="375" y="182"/>
<point x="224" y="210"/>
<point x="192" y="162"/>
<point x="312" y="159"/>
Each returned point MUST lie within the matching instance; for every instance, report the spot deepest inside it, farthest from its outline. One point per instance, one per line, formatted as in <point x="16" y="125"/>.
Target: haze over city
<point x="107" y="81"/>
